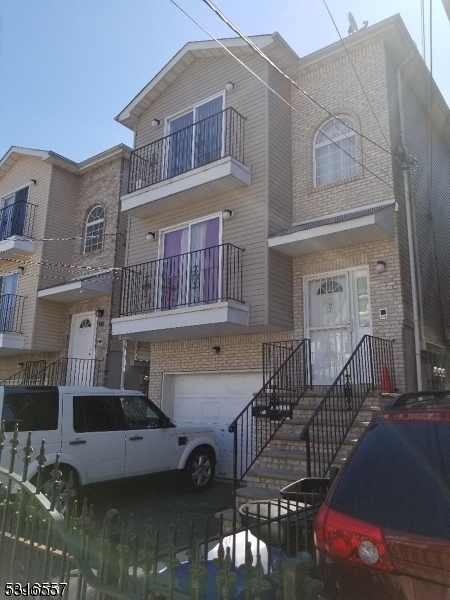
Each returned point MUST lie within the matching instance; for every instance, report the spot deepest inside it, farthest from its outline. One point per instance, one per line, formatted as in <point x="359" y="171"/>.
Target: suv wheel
<point x="199" y="470"/>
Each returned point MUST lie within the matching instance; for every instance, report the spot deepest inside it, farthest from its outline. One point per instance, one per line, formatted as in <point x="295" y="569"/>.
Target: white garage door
<point x="216" y="399"/>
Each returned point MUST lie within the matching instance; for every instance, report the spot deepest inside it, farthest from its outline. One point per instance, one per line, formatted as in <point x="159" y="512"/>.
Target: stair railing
<point x="257" y="423"/>
<point x="64" y="371"/>
<point x="370" y="367"/>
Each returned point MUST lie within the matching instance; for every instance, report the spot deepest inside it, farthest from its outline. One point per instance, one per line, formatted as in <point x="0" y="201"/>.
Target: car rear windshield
<point x="399" y="478"/>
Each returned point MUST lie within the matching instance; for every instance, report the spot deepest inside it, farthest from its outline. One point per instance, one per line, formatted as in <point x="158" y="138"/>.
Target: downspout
<point x="410" y="230"/>
<point x="124" y="364"/>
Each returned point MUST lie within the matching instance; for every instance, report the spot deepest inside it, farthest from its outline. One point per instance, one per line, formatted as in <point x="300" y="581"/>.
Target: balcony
<point x="191" y="295"/>
<point x="16" y="228"/>
<point x="199" y="161"/>
<point x="11" y="312"/>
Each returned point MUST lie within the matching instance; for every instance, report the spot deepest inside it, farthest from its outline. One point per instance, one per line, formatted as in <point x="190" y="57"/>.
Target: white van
<point x="103" y="434"/>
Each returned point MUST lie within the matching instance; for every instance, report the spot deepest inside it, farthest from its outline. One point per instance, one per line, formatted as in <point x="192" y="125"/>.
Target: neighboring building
<point x="248" y="225"/>
<point x="62" y="243"/>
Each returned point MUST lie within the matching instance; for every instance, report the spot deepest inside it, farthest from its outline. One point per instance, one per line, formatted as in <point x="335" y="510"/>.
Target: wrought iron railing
<point x="275" y="354"/>
<point x="50" y="545"/>
<point x="257" y="423"/>
<point x="370" y="367"/>
<point x="201" y="143"/>
<point x="17" y="219"/>
<point x="11" y="313"/>
<point x="64" y="371"/>
<point x="197" y="277"/>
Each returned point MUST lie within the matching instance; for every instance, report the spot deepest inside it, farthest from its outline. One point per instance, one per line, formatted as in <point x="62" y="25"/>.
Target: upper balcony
<point x="16" y="228"/>
<point x="195" y="294"/>
<point x="204" y="159"/>
<point x="11" y="312"/>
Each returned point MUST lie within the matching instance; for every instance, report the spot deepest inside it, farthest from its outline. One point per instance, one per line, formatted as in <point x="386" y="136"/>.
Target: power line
<point x="49" y="263"/>
<point x="356" y="73"/>
<point x="279" y="95"/>
<point x="241" y="34"/>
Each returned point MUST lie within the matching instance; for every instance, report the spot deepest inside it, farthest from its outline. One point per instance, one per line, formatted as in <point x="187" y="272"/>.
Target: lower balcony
<point x="12" y="339"/>
<point x="191" y="295"/>
<point x="16" y="227"/>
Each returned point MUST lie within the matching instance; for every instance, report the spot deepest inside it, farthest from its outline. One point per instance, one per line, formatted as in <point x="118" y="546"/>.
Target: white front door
<point x="81" y="346"/>
<point x="337" y="316"/>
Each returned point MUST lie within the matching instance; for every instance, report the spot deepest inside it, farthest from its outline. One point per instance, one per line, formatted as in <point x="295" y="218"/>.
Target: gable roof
<point x="272" y="44"/>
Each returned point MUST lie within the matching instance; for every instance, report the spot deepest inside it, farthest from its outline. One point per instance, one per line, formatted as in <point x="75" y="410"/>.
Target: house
<point x="62" y="243"/>
<point x="251" y="222"/>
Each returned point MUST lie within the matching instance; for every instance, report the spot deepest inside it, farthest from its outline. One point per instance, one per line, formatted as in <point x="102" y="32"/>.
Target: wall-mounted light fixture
<point x="151" y="236"/>
<point x="33" y="181"/>
<point x="156" y="122"/>
<point x="216" y="349"/>
<point x="227" y="214"/>
<point x="230" y="87"/>
<point x="380" y="267"/>
<point x="21" y="269"/>
<point x="99" y="312"/>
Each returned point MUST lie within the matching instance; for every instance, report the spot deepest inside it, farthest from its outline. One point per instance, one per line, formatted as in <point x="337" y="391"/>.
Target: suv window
<point x="399" y="478"/>
<point x="139" y="413"/>
<point x="94" y="413"/>
<point x="34" y="410"/>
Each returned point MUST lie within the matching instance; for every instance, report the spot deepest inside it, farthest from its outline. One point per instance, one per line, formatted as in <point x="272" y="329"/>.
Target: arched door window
<point x="93" y="239"/>
<point x="335" y="151"/>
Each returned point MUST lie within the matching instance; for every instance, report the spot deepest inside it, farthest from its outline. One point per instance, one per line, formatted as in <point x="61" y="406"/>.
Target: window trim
<point x="326" y="143"/>
<point x="192" y="108"/>
<point x="13" y="193"/>
<point x="103" y="220"/>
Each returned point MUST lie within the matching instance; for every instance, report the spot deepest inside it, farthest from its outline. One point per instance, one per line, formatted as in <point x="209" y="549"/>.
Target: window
<point x="8" y="291"/>
<point x="33" y="410"/>
<point x="335" y="152"/>
<point x="94" y="413"/>
<point x="94" y="230"/>
<point x="13" y="213"/>
<point x="139" y="413"/>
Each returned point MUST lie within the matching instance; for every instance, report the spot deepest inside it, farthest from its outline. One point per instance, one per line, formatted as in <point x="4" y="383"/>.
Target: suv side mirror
<point x="165" y="422"/>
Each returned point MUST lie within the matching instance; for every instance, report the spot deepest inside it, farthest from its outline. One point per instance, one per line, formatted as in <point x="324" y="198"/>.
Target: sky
<point x="68" y="67"/>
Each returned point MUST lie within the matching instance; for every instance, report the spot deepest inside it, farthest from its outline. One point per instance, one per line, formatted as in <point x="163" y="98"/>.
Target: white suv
<point x="102" y="434"/>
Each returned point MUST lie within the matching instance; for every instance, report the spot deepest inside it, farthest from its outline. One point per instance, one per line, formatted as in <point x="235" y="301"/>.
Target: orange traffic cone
<point x="386" y="383"/>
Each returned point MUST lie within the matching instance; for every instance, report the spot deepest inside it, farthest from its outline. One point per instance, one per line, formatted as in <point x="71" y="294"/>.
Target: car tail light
<point x="351" y="539"/>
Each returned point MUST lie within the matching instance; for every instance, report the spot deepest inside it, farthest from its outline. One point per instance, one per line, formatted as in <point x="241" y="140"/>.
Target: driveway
<point x="162" y="500"/>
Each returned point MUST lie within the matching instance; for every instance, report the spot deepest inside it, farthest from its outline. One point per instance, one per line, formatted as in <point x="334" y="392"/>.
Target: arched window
<point x="335" y="151"/>
<point x="93" y="239"/>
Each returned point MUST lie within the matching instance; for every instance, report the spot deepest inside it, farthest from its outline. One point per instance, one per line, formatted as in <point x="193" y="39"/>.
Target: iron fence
<point x="275" y="354"/>
<point x="17" y="219"/>
<point x="64" y="371"/>
<point x="198" y="144"/>
<point x="11" y="313"/>
<point x="258" y="422"/>
<point x="50" y="545"/>
<point x="198" y="277"/>
<point x="370" y="367"/>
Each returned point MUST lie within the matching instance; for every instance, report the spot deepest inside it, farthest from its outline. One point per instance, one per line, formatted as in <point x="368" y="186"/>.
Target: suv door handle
<point x="76" y="442"/>
<point x="135" y="438"/>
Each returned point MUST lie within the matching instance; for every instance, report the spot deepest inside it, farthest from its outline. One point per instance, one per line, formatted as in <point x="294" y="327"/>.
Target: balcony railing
<point x="199" y="144"/>
<point x="11" y="312"/>
<point x="197" y="277"/>
<point x="17" y="219"/>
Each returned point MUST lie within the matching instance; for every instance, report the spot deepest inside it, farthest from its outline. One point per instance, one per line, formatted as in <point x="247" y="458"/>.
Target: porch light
<point x="156" y="122"/>
<point x="227" y="214"/>
<point x="230" y="86"/>
<point x="151" y="236"/>
<point x="380" y="267"/>
<point x="33" y="181"/>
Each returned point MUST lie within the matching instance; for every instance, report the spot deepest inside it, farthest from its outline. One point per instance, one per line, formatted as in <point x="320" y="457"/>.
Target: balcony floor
<point x="190" y="322"/>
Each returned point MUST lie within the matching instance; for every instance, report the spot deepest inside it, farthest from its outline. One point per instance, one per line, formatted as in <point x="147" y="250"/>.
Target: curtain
<point x="173" y="283"/>
<point x="179" y="145"/>
<point x="204" y="276"/>
<point x="8" y="290"/>
<point x="208" y="132"/>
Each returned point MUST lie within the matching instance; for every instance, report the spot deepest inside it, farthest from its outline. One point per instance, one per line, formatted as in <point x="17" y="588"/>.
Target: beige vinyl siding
<point x="25" y="169"/>
<point x="280" y="198"/>
<point x="248" y="227"/>
<point x="50" y="316"/>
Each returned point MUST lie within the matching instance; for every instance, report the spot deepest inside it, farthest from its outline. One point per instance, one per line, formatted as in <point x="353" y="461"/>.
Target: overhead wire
<point x="364" y="167"/>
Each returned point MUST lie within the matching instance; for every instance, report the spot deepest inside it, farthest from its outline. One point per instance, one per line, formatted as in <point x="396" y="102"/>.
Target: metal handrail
<point x="370" y="367"/>
<point x="64" y="371"/>
<point x="198" y="277"/>
<point x="17" y="219"/>
<point x="198" y="144"/>
<point x="11" y="313"/>
<point x="263" y="416"/>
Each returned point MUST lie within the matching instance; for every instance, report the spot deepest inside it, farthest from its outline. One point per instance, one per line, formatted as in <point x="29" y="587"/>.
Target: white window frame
<point x="189" y="224"/>
<point x="16" y="272"/>
<point x="185" y="111"/>
<point x="102" y="220"/>
<point x="328" y="142"/>
<point x="14" y="192"/>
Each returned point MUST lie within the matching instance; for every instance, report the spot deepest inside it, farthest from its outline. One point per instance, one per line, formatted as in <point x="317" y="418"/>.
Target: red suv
<point x="383" y="532"/>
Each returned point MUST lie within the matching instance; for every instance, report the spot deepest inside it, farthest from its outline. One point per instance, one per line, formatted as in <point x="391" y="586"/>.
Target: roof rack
<point x="415" y="399"/>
